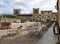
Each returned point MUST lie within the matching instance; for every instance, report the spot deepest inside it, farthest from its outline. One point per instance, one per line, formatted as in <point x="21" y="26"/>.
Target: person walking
<point x="55" y="28"/>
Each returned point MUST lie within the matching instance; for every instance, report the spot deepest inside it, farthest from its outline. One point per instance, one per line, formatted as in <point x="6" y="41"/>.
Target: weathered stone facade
<point x="54" y="16"/>
<point x="46" y="15"/>
<point x="35" y="15"/>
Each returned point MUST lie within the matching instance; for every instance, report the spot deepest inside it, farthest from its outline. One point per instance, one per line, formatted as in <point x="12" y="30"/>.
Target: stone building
<point x="36" y="15"/>
<point x="54" y="16"/>
<point x="17" y="11"/>
<point x="46" y="15"/>
<point x="35" y="10"/>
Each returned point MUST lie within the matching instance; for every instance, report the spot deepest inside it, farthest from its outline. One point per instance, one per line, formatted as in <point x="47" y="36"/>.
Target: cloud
<point x="7" y="6"/>
<point x="1" y="2"/>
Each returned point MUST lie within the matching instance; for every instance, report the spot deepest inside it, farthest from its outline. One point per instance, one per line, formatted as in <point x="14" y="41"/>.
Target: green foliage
<point x="21" y="17"/>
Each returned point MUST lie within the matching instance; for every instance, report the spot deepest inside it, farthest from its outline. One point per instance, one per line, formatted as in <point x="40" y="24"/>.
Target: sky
<point x="26" y="6"/>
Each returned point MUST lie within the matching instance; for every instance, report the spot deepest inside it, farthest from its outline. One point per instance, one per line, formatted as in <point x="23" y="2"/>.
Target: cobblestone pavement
<point x="48" y="37"/>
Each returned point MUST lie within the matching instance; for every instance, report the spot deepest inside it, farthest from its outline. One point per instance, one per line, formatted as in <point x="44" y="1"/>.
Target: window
<point x="48" y="16"/>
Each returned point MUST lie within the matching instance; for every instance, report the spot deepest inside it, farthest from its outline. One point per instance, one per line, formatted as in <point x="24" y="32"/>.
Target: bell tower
<point x="35" y="13"/>
<point x="35" y="10"/>
<point x="17" y="11"/>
